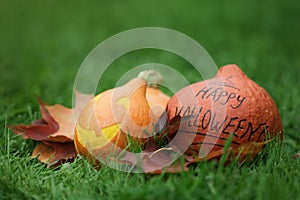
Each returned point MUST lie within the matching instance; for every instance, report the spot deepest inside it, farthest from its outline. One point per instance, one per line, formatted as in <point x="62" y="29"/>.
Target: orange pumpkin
<point x="114" y="116"/>
<point x="201" y="117"/>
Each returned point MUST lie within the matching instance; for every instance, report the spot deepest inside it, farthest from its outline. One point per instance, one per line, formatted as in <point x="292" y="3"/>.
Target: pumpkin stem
<point x="152" y="78"/>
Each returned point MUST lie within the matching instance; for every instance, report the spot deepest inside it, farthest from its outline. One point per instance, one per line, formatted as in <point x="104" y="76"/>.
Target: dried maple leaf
<point x="57" y="123"/>
<point x="43" y="152"/>
<point x="156" y="160"/>
<point x="55" y="129"/>
<point x="153" y="160"/>
<point x="53" y="153"/>
<point x="164" y="160"/>
<point x="245" y="152"/>
<point x="39" y="130"/>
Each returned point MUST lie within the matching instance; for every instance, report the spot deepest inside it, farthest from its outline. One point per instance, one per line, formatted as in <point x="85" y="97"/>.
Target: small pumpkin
<point x="202" y="116"/>
<point x="116" y="115"/>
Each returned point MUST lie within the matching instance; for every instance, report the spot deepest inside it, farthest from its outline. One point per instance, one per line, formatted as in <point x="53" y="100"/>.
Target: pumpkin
<point x="202" y="116"/>
<point x="118" y="115"/>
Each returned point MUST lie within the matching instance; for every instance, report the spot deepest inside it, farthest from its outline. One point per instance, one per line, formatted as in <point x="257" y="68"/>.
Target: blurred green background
<point x="43" y="43"/>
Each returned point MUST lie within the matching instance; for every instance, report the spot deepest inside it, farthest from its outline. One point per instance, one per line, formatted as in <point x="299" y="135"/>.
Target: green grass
<point x="44" y="43"/>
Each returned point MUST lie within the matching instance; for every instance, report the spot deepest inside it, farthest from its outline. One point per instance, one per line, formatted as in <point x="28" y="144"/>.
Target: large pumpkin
<point x="201" y="117"/>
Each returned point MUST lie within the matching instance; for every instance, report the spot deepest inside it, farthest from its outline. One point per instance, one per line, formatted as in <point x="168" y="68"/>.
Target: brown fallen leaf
<point x="53" y="153"/>
<point x="245" y="152"/>
<point x="149" y="164"/>
<point x="151" y="167"/>
<point x="55" y="130"/>
<point x="162" y="159"/>
<point x="153" y="159"/>
<point x="43" y="152"/>
<point x="57" y="125"/>
<point x="39" y="130"/>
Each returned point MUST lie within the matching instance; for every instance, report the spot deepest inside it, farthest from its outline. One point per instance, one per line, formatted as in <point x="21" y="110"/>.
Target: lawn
<point x="43" y="44"/>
